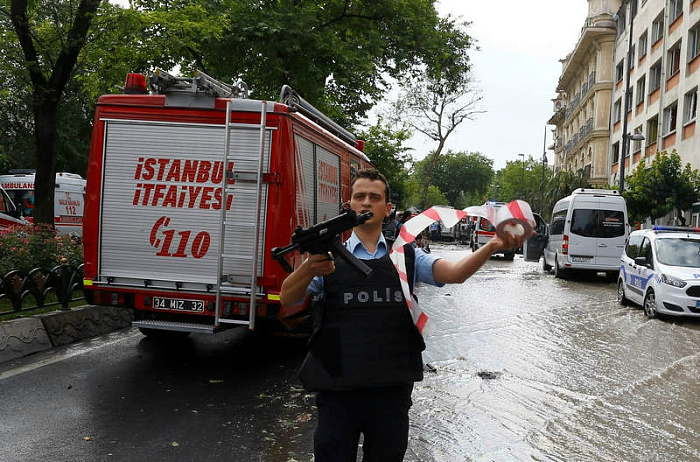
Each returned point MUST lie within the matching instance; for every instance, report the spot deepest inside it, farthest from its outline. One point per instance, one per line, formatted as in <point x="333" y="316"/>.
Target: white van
<point x="587" y="232"/>
<point x="69" y="198"/>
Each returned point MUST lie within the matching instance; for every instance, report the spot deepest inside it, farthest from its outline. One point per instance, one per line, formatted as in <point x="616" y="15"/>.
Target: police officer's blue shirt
<point x="423" y="263"/>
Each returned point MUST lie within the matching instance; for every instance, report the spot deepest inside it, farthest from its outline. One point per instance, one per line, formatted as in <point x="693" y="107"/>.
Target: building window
<point x="693" y="45"/>
<point x="628" y="100"/>
<point x="657" y="28"/>
<point x="670" y="114"/>
<point x="643" y="39"/>
<point x="620" y="71"/>
<point x="652" y="130"/>
<point x="674" y="59"/>
<point x="676" y="7"/>
<point x="641" y="84"/>
<point x="655" y="76"/>
<point x="690" y="105"/>
<point x="617" y="113"/>
<point x="615" y="153"/>
<point x="621" y="22"/>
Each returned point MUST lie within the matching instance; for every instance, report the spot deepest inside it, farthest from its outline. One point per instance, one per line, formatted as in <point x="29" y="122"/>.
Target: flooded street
<point x="529" y="367"/>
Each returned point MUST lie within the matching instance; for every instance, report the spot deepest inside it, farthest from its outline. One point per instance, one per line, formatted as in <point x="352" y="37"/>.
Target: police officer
<point x="366" y="353"/>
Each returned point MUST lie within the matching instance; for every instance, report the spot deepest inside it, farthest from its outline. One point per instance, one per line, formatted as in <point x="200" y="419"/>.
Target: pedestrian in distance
<point x="404" y="218"/>
<point x="365" y="352"/>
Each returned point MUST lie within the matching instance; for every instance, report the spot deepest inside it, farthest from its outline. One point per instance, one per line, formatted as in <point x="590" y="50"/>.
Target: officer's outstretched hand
<point x="512" y="241"/>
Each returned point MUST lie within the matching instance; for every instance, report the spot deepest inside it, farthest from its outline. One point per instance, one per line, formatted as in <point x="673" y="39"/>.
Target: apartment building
<point x="664" y="75"/>
<point x="585" y="92"/>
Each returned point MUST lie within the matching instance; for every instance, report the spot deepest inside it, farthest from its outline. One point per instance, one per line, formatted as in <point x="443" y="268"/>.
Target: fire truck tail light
<point x="360" y="145"/>
<point x="135" y="84"/>
<point x="565" y="245"/>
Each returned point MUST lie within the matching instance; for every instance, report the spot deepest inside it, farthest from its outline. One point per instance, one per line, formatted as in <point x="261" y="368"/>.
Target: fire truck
<point x="191" y="184"/>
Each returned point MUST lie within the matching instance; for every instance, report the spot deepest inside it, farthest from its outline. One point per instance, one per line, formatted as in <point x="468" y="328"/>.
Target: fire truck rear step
<point x="175" y="326"/>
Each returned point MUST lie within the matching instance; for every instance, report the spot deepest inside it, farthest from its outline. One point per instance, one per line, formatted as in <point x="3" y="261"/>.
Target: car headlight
<point x="672" y="281"/>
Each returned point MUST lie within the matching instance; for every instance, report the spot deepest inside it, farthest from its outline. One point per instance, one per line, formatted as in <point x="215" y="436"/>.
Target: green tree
<point x="105" y="58"/>
<point x="459" y="176"/>
<point x="385" y="148"/>
<point x="337" y="54"/>
<point x="414" y="192"/>
<point x="660" y="189"/>
<point x="540" y="189"/>
<point x="51" y="36"/>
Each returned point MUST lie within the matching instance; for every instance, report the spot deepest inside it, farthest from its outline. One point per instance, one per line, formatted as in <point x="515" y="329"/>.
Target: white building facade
<point x="593" y="104"/>
<point x="664" y="76"/>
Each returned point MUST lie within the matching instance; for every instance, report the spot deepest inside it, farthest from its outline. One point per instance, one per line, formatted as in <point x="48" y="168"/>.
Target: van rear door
<point x="598" y="232"/>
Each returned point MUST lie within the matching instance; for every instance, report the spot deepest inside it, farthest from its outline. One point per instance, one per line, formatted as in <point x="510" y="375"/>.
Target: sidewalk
<point x="21" y="337"/>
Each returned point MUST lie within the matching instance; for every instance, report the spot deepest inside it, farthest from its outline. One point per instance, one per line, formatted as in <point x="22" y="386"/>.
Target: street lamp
<point x="544" y="163"/>
<point x="626" y="137"/>
<point x="523" y="156"/>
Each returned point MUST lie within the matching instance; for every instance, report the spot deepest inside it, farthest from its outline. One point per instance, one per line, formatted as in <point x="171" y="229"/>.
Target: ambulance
<point x="191" y="184"/>
<point x="69" y="198"/>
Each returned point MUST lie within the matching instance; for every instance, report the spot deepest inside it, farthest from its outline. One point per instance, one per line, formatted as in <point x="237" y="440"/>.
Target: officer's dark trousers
<point x="381" y="414"/>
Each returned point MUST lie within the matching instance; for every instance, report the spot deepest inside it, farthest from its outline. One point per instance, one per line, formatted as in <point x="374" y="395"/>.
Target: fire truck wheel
<point x="163" y="334"/>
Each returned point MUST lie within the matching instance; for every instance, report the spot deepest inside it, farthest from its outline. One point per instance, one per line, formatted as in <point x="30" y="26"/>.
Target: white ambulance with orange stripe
<point x="483" y="231"/>
<point x="191" y="184"/>
<point x="10" y="214"/>
<point x="69" y="198"/>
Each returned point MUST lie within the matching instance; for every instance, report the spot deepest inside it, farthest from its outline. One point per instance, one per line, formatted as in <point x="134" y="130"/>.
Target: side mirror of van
<point x="641" y="261"/>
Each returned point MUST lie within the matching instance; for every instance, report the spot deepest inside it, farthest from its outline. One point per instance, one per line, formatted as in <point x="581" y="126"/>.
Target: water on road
<point x="529" y="367"/>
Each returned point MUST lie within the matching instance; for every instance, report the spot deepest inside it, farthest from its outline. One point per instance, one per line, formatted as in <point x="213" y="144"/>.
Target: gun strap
<point x="410" y="255"/>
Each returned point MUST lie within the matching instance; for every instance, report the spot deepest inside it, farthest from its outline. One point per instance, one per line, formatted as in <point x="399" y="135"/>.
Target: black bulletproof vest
<point x="366" y="337"/>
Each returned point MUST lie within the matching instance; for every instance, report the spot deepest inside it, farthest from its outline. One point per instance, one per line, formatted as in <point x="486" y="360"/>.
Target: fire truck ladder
<point x="161" y="82"/>
<point x="224" y="280"/>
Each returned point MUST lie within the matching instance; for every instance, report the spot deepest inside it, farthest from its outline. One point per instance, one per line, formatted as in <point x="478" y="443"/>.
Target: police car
<point x="660" y="271"/>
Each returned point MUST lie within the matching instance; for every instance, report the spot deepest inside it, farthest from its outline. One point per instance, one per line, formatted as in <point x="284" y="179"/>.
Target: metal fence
<point x="31" y="290"/>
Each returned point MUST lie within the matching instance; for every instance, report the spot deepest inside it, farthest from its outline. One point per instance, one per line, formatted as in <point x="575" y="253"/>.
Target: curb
<point x="25" y="336"/>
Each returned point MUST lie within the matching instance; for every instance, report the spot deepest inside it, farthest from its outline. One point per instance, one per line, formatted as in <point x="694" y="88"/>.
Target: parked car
<point x="587" y="232"/>
<point x="660" y="271"/>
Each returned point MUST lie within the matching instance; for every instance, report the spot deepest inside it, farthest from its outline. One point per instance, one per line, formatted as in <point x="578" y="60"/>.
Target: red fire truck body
<point x="170" y="174"/>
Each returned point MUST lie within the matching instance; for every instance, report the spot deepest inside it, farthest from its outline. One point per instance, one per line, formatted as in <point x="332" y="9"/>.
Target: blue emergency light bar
<point x="686" y="229"/>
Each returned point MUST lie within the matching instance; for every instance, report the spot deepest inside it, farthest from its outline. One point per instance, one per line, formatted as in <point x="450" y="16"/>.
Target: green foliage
<point x="384" y="147"/>
<point x="665" y="186"/>
<point x="28" y="247"/>
<point x="336" y="54"/>
<point x="534" y="183"/>
<point x="414" y="191"/>
<point x="459" y="176"/>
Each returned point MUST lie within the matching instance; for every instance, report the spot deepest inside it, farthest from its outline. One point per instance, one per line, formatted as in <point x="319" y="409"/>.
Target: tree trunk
<point x="46" y="137"/>
<point x="429" y="175"/>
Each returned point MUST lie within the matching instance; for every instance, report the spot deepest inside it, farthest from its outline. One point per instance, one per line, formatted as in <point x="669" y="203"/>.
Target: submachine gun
<point x="324" y="237"/>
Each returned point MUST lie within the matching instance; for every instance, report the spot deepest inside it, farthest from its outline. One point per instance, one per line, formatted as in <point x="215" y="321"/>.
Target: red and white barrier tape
<point x="504" y="218"/>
